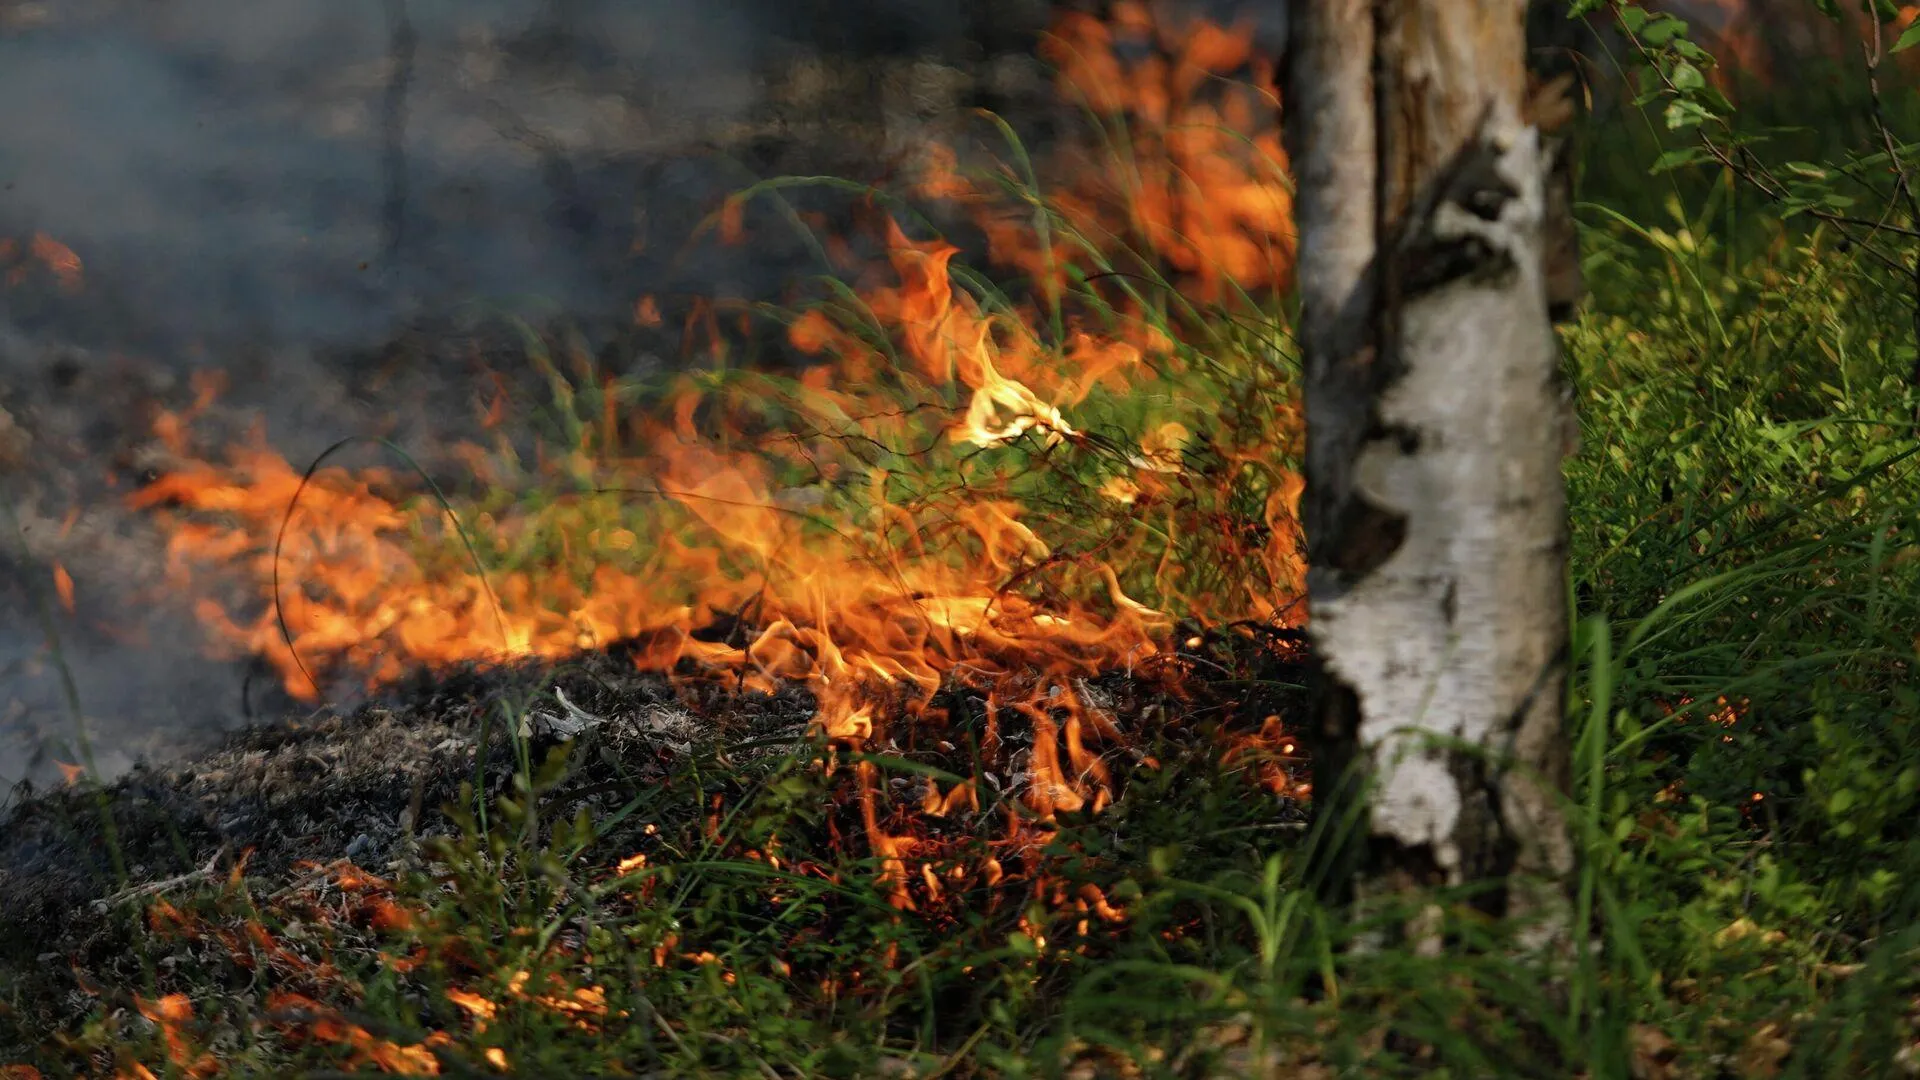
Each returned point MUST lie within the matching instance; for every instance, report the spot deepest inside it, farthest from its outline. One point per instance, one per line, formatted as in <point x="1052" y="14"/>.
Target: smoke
<point x="302" y="195"/>
<point x="274" y="171"/>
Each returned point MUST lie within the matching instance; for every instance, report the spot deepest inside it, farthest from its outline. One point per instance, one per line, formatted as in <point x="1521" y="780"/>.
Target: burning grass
<point x="966" y="505"/>
<point x="418" y="888"/>
<point x="956" y="486"/>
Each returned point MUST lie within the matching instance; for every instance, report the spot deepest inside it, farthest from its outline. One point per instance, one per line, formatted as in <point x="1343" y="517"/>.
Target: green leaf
<point x="1662" y="30"/>
<point x="1908" y="38"/>
<point x="1632" y="18"/>
<point x="1679" y="157"/>
<point x="1687" y="77"/>
<point x="1684" y="114"/>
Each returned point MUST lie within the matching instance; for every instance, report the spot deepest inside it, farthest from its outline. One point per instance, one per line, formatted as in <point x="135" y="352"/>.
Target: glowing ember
<point x="302" y="1015"/>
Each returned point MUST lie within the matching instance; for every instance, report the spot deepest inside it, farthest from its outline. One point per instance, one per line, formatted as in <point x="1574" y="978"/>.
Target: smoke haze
<point x="303" y="195"/>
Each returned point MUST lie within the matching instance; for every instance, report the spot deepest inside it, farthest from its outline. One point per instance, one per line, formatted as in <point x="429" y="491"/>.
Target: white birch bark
<point x="1435" y="503"/>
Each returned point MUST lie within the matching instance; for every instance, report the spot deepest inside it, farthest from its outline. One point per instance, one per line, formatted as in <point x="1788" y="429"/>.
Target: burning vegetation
<point x="1001" y="483"/>
<point x="1015" y="527"/>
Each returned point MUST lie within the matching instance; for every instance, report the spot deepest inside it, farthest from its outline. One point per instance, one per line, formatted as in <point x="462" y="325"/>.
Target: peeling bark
<point x="1435" y="506"/>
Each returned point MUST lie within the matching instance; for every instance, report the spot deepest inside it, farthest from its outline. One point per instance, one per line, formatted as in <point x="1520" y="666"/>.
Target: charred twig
<point x="302" y="882"/>
<point x="154" y="888"/>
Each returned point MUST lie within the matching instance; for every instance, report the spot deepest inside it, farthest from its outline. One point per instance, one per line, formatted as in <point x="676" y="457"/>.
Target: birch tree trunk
<point x="1434" y="507"/>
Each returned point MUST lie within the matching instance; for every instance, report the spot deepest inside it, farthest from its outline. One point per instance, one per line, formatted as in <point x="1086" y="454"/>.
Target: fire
<point x="63" y="587"/>
<point x="20" y="261"/>
<point x="171" y="1014"/>
<point x="929" y="503"/>
<point x="302" y="1015"/>
<point x="1204" y="185"/>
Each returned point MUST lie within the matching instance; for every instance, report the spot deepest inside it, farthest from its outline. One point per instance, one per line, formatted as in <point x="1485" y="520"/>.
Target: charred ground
<point x="278" y="811"/>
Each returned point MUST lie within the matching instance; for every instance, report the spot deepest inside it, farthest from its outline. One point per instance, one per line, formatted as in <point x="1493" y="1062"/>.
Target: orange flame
<point x="57" y="258"/>
<point x="873" y="520"/>
<point x="299" y="1013"/>
<point x="171" y="1014"/>
<point x="63" y="587"/>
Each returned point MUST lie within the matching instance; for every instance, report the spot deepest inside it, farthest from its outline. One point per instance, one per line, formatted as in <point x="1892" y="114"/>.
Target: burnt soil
<point x="80" y="865"/>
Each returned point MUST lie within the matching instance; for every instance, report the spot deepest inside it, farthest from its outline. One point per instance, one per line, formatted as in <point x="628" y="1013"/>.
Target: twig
<point x="308" y="878"/>
<point x="1902" y="183"/>
<point x="954" y="1059"/>
<point x="766" y="1070"/>
<point x="1740" y="161"/>
<point x="154" y="888"/>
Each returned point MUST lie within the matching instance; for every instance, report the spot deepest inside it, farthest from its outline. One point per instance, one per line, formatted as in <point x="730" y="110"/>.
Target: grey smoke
<point x="277" y="188"/>
<point x="221" y="165"/>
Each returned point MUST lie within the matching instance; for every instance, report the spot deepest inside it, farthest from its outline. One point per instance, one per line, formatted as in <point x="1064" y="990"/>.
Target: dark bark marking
<point x="1487" y="847"/>
<point x="1333" y="746"/>
<point x="1560" y="244"/>
<point x="1371" y="534"/>
<point x="1438" y="263"/>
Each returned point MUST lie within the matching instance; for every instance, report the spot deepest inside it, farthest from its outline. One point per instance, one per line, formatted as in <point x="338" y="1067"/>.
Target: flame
<point x="1207" y="191"/>
<point x="646" y="312"/>
<point x="45" y="252"/>
<point x="63" y="587"/>
<point x="881" y="524"/>
<point x="171" y="1014"/>
<point x="303" y="1015"/>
